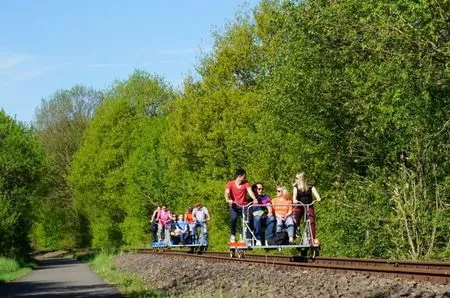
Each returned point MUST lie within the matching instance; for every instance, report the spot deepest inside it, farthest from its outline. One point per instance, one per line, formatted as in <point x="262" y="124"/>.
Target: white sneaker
<point x="258" y="243"/>
<point x="291" y="240"/>
<point x="233" y="238"/>
<point x="267" y="244"/>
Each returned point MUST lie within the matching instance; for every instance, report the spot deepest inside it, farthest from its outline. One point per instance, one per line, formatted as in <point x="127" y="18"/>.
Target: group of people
<point x="284" y="212"/>
<point x="266" y="217"/>
<point x="187" y="228"/>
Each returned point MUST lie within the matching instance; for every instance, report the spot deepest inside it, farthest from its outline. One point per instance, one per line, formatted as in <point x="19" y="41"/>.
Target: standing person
<point x="282" y="207"/>
<point x="154" y="222"/>
<point x="201" y="215"/>
<point x="235" y="196"/>
<point x="262" y="214"/>
<point x="303" y="193"/>
<point x="189" y="218"/>
<point x="164" y="224"/>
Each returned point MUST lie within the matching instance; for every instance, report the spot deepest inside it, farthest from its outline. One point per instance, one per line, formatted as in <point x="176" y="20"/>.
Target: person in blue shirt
<point x="182" y="228"/>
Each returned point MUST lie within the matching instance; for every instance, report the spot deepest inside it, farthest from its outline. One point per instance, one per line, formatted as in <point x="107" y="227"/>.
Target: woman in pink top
<point x="164" y="222"/>
<point x="236" y="196"/>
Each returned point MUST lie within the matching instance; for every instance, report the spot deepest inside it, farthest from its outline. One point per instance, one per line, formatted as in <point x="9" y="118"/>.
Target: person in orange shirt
<point x="282" y="208"/>
<point x="189" y="218"/>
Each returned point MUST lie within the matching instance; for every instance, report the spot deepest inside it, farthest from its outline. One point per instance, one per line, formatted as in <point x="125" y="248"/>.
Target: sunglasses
<point x="260" y="188"/>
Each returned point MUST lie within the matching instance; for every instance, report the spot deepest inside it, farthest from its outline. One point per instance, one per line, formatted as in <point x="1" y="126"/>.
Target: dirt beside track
<point x="184" y="276"/>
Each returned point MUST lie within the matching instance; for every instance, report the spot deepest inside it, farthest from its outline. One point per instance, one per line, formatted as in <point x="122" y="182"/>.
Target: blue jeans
<point x="235" y="213"/>
<point x="270" y="227"/>
<point x="258" y="222"/>
<point x="183" y="237"/>
<point x="192" y="229"/>
<point x="203" y="232"/>
<point x="166" y="229"/>
<point x="288" y="222"/>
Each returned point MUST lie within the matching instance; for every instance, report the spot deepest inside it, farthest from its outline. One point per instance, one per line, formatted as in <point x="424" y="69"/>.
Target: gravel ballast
<point x="185" y="276"/>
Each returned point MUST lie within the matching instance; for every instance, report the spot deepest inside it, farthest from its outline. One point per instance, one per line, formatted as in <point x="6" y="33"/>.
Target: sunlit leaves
<point x="22" y="163"/>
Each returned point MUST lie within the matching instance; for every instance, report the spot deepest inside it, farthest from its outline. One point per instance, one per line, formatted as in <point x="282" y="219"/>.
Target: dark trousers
<point x="299" y="213"/>
<point x="183" y="237"/>
<point x="155" y="232"/>
<point x="235" y="213"/>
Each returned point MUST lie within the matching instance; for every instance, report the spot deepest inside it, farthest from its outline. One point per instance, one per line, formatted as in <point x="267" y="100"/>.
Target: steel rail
<point x="438" y="272"/>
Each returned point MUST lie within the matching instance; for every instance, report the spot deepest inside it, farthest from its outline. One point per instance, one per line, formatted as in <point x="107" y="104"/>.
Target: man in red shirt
<point x="236" y="196"/>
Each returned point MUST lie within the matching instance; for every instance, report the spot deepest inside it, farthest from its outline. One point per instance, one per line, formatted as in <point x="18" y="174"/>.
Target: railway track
<point x="436" y="272"/>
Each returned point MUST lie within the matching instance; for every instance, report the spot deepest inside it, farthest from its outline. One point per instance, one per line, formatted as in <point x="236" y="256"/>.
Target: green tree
<point x="105" y="173"/>
<point x="218" y="125"/>
<point x="354" y="93"/>
<point x="60" y="122"/>
<point x="22" y="162"/>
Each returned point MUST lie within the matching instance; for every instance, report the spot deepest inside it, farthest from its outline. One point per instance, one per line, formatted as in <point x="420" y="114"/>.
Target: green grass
<point x="11" y="269"/>
<point x="133" y="287"/>
<point x="130" y="285"/>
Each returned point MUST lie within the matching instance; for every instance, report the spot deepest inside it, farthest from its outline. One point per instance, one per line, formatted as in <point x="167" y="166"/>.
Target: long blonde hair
<point x="301" y="181"/>
<point x="284" y="191"/>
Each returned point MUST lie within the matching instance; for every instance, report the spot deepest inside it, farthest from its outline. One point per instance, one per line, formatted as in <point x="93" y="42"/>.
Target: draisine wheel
<point x="304" y="252"/>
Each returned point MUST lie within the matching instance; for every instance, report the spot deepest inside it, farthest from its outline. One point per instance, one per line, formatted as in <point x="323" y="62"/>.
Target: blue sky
<point x="51" y="45"/>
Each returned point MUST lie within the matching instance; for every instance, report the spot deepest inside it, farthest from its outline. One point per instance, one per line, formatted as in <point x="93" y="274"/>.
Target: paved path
<point x="59" y="278"/>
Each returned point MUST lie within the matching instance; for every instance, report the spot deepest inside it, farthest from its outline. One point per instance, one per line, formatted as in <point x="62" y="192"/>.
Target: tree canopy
<point x="353" y="93"/>
<point x="22" y="164"/>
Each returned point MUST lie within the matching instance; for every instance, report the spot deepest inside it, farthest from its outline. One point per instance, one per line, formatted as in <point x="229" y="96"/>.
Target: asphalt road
<point x="59" y="278"/>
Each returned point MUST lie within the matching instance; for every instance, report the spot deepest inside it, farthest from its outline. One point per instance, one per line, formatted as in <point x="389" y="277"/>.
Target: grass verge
<point x="127" y="283"/>
<point x="12" y="269"/>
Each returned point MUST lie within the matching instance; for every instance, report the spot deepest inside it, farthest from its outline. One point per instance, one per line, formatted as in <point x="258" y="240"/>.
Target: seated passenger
<point x="164" y="224"/>
<point x="174" y="233"/>
<point x="182" y="229"/>
<point x="261" y="214"/>
<point x="282" y="208"/>
<point x="201" y="215"/>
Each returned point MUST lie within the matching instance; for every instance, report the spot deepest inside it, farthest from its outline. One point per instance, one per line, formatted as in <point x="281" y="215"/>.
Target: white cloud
<point x="103" y="65"/>
<point x="33" y="72"/>
<point x="10" y="61"/>
<point x="16" y="67"/>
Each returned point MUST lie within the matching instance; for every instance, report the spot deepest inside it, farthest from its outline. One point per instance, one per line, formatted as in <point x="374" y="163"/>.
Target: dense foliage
<point x="356" y="94"/>
<point x="60" y="122"/>
<point x="116" y="172"/>
<point x="22" y="162"/>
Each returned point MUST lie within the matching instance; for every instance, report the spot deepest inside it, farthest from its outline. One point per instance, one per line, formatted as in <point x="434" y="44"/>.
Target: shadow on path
<point x="55" y="263"/>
